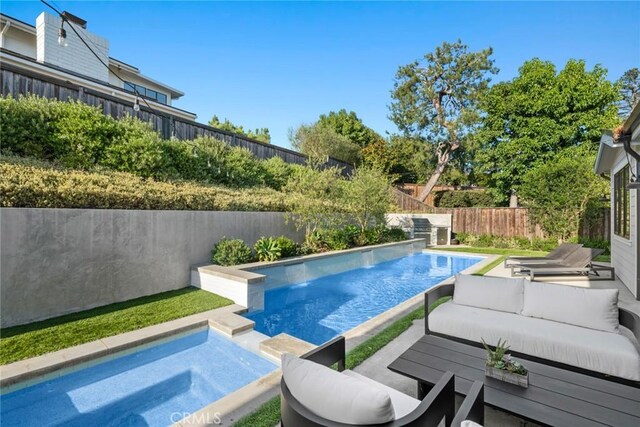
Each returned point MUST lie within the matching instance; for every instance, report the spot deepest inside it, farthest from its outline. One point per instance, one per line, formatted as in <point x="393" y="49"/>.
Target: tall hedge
<point x="79" y="136"/>
<point x="34" y="184"/>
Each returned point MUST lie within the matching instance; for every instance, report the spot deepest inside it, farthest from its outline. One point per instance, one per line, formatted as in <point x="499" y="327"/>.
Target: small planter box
<point x="506" y="376"/>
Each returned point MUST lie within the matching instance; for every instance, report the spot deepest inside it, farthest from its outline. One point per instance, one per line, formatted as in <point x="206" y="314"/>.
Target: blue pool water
<point x="151" y="387"/>
<point x="323" y="308"/>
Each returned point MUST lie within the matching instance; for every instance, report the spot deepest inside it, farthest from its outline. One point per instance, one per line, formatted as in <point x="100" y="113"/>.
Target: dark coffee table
<point x="555" y="396"/>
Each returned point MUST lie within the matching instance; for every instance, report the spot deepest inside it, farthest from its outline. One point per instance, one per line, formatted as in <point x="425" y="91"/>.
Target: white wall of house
<point x="624" y="254"/>
<point x="74" y="56"/>
<point x="19" y="41"/>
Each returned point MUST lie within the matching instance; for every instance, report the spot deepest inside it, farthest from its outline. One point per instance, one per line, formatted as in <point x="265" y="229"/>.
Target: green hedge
<point x="78" y="136"/>
<point x="463" y="199"/>
<point x="35" y="184"/>
<point x="490" y="241"/>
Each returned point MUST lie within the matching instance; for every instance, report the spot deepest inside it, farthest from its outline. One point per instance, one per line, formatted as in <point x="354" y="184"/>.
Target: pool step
<point x="283" y="343"/>
<point x="231" y="324"/>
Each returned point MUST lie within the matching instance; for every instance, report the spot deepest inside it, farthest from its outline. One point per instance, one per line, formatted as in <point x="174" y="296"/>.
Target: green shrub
<point x="267" y="249"/>
<point x="395" y="235"/>
<point x="136" y="149"/>
<point x="336" y="240"/>
<point x="36" y="184"/>
<point x="288" y="247"/>
<point x="490" y="241"/>
<point x="276" y="172"/>
<point x="463" y="199"/>
<point x="242" y="168"/>
<point x="597" y="244"/>
<point x="231" y="252"/>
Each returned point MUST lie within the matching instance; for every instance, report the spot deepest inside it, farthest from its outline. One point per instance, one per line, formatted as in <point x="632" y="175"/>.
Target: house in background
<point x="618" y="156"/>
<point x="37" y="51"/>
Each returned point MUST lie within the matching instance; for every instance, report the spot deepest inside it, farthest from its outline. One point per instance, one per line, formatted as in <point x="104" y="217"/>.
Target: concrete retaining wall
<point x="58" y="261"/>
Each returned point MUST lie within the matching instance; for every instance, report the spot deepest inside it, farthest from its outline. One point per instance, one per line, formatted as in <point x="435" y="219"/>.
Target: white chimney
<point x="75" y="56"/>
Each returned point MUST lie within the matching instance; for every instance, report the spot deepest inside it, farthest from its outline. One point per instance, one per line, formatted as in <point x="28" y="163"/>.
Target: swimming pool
<point x="322" y="308"/>
<point x="151" y="387"/>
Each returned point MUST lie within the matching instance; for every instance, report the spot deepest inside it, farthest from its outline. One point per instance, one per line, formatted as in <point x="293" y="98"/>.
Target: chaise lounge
<point x="556" y="255"/>
<point x="314" y="395"/>
<point x="577" y="263"/>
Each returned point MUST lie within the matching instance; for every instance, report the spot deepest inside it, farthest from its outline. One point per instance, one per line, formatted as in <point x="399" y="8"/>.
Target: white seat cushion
<point x="494" y="293"/>
<point x="468" y="423"/>
<point x="589" y="308"/>
<point x="334" y="396"/>
<point x="604" y="352"/>
<point x="402" y="404"/>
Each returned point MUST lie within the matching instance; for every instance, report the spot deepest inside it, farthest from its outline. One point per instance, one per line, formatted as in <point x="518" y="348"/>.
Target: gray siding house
<point x="616" y="157"/>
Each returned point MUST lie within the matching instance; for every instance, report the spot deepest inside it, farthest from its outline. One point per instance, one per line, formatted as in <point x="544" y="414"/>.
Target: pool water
<point x="323" y="308"/>
<point x="151" y="387"/>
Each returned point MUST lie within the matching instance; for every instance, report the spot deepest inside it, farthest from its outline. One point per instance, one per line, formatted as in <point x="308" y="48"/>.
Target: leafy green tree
<point x="559" y="192"/>
<point x="320" y="143"/>
<point x="367" y="196"/>
<point x="313" y="194"/>
<point x="629" y="85"/>
<point x="261" y="134"/>
<point x="350" y="126"/>
<point x="436" y="98"/>
<point x="538" y="113"/>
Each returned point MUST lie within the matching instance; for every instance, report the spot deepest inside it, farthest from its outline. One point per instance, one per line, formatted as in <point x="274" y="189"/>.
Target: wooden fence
<point x="505" y="222"/>
<point x="15" y="82"/>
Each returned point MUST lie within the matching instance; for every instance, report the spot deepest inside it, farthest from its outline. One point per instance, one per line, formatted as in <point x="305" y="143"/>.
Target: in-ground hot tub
<point x="155" y="385"/>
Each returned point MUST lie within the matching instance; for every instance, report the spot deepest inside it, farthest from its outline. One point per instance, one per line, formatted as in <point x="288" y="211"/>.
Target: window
<point x="621" y="211"/>
<point x="147" y="93"/>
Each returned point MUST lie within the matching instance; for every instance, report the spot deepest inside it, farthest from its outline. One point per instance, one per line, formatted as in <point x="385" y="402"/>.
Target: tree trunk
<point x="443" y="160"/>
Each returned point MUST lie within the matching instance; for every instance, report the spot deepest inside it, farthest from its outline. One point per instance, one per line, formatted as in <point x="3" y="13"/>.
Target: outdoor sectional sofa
<point x="579" y="329"/>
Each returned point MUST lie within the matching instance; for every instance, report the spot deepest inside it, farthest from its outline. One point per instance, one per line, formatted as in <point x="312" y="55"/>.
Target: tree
<point x="313" y="194"/>
<point x="367" y="196"/>
<point x="437" y="98"/>
<point x="320" y="143"/>
<point x="540" y="112"/>
<point x="629" y="85"/>
<point x="559" y="191"/>
<point x="350" y="126"/>
<point x="261" y="134"/>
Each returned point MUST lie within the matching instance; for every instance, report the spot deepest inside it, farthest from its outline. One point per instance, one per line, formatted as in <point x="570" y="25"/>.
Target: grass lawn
<point x="34" y="339"/>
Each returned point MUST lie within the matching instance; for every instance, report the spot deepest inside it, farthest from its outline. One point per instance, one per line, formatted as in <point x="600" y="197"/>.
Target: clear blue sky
<point x="278" y="65"/>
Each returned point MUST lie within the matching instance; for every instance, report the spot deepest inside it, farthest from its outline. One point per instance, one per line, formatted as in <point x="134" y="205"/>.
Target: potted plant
<point x="501" y="365"/>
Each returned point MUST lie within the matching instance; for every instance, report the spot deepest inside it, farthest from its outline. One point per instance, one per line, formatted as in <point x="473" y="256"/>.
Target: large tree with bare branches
<point x="436" y="99"/>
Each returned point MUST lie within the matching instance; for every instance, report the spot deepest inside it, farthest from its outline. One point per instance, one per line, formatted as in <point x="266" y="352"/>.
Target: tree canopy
<point x="349" y="125"/>
<point x="629" y="85"/>
<point x="436" y="99"/>
<point x="320" y="143"/>
<point x="261" y="134"/>
<point x="540" y="112"/>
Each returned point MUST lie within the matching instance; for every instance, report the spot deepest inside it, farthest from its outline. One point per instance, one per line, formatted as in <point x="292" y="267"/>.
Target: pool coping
<point x="59" y="362"/>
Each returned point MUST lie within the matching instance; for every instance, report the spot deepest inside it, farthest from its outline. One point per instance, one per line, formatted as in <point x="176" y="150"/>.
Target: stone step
<point x="283" y="343"/>
<point x="231" y="324"/>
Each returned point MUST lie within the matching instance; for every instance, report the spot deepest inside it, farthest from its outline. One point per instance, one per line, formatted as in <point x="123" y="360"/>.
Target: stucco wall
<point x="58" y="261"/>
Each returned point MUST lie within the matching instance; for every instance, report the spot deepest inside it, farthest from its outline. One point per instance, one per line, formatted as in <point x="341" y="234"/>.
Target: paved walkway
<point x="376" y="366"/>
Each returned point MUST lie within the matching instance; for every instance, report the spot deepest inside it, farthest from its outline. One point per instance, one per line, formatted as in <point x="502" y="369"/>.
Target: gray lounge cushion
<point x="589" y="308"/>
<point x="606" y="352"/>
<point x="333" y="396"/>
<point x="494" y="293"/>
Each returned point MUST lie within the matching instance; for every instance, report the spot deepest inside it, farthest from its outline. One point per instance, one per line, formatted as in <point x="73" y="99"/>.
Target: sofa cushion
<point x="331" y="395"/>
<point x="605" y="352"/>
<point x="468" y="423"/>
<point x="589" y="308"/>
<point x="402" y="403"/>
<point x="494" y="293"/>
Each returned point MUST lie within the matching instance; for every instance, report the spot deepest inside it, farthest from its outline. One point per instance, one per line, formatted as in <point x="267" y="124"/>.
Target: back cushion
<point x="589" y="308"/>
<point x="333" y="396"/>
<point x="494" y="293"/>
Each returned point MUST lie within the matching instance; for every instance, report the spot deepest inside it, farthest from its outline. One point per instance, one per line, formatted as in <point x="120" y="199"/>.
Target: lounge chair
<point x="558" y="254"/>
<point x="314" y="395"/>
<point x="578" y="263"/>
